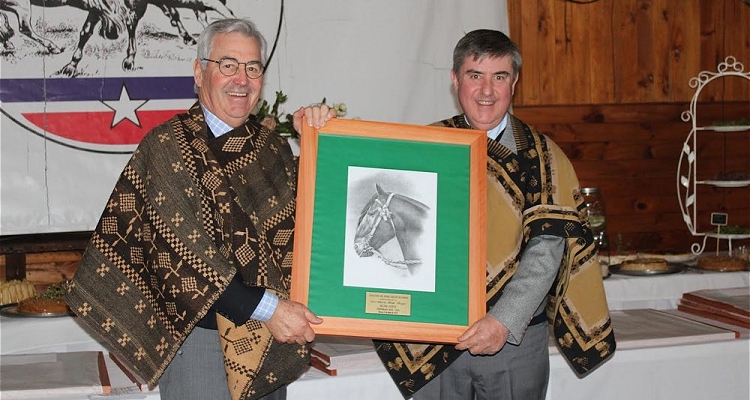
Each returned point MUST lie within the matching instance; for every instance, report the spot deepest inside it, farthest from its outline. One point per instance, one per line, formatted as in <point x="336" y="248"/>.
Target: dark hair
<point x="230" y="25"/>
<point x="486" y="43"/>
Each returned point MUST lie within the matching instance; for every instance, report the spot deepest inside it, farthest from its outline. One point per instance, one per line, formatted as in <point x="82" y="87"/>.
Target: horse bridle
<point x="385" y="214"/>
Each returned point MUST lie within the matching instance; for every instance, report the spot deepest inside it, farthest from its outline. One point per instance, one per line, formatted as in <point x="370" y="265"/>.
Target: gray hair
<point x="486" y="43"/>
<point x="230" y="25"/>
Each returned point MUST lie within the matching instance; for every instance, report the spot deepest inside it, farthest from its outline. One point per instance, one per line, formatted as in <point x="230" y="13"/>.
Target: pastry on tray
<point x="722" y="263"/>
<point x="644" y="264"/>
<point x="50" y="302"/>
<point x="685" y="258"/>
<point x="13" y="291"/>
<point x="43" y="305"/>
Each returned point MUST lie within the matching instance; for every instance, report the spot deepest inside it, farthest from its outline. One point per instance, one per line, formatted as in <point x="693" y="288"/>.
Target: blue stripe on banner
<point x="95" y="89"/>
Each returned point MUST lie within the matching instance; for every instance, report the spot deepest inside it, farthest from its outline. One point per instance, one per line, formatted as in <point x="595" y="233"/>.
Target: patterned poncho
<point x="185" y="216"/>
<point x="534" y="192"/>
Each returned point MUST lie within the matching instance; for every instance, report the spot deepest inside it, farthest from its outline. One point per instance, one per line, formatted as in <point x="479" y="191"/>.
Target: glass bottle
<point x="597" y="217"/>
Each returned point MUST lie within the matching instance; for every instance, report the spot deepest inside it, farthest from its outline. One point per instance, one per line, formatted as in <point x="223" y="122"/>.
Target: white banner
<point x="71" y="116"/>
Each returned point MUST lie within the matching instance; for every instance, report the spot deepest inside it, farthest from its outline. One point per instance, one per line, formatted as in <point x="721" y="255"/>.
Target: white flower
<point x="273" y="116"/>
<point x="340" y="109"/>
<point x="269" y="122"/>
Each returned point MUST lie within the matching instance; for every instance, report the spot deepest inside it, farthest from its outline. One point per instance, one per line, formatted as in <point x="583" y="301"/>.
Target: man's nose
<point x="486" y="86"/>
<point x="241" y="78"/>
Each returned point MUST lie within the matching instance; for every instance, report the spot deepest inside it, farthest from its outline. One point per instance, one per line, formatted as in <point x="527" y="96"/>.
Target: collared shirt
<point x="270" y="301"/>
<point x="498" y="130"/>
<point x="497" y="133"/>
<point x="216" y="125"/>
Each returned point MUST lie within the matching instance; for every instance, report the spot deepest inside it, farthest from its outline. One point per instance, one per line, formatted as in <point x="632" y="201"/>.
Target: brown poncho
<point x="186" y="214"/>
<point x="534" y="192"/>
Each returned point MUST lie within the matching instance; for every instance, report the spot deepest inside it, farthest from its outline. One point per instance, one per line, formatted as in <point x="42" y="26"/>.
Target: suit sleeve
<point x="238" y="301"/>
<point x="524" y="294"/>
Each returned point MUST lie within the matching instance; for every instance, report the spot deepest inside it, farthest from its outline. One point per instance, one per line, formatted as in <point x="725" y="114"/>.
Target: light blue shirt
<point x="270" y="301"/>
<point x="216" y="125"/>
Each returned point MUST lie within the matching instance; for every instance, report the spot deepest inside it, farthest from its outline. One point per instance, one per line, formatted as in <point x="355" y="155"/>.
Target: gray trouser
<point x="514" y="373"/>
<point x="197" y="371"/>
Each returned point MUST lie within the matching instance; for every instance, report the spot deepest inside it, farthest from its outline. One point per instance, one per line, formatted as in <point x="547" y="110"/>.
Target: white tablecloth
<point x="712" y="365"/>
<point x="714" y="369"/>
<point x="662" y="292"/>
<point x="717" y="370"/>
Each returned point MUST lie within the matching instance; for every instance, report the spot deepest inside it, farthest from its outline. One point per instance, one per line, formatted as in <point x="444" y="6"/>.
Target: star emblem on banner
<point x="125" y="108"/>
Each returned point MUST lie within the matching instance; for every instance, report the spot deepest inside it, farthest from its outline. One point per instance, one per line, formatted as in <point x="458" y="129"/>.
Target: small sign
<point x="719" y="219"/>
<point x="388" y="303"/>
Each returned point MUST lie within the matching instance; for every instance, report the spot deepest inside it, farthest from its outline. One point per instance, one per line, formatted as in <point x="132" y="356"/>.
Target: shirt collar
<point x="216" y="125"/>
<point x="495" y="132"/>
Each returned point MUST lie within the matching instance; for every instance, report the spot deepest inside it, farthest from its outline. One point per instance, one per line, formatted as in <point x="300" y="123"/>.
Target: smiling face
<point x="485" y="89"/>
<point x="230" y="98"/>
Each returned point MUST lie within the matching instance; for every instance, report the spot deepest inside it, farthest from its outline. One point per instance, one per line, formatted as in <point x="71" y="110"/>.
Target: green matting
<point x="336" y="153"/>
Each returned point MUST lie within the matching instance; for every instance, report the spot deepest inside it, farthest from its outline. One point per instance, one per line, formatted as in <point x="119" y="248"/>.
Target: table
<point x="717" y="370"/>
<point x="714" y="365"/>
<point x="696" y="370"/>
<point x="662" y="292"/>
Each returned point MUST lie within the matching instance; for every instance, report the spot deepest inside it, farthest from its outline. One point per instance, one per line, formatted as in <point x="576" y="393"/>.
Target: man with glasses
<point x="187" y="275"/>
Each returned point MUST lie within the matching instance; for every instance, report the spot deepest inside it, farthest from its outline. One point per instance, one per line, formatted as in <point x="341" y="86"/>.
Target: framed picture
<point x="390" y="230"/>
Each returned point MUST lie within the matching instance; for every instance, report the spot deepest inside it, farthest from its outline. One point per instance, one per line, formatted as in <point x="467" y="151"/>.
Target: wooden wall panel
<point x="47" y="268"/>
<point x="632" y="47"/>
<point x="661" y="65"/>
<point x="684" y="42"/>
<point x="736" y="35"/>
<point x="711" y="41"/>
<point x="601" y="79"/>
<point x="625" y="51"/>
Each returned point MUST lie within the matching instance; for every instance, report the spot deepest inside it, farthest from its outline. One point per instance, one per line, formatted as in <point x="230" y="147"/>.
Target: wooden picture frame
<point x="390" y="236"/>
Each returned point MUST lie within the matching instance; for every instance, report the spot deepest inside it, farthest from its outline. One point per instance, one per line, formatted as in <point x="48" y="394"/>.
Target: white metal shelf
<point x="724" y="128"/>
<point x="687" y="165"/>
<point x="724" y="184"/>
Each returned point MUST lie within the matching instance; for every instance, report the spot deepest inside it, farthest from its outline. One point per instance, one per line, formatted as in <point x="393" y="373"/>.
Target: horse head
<point x="385" y="216"/>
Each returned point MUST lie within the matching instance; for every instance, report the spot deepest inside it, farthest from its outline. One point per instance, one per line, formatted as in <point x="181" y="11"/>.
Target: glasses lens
<point x="254" y="70"/>
<point x="228" y="67"/>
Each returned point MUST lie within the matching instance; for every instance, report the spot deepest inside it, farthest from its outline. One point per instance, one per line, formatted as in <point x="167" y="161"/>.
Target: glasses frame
<point x="219" y="61"/>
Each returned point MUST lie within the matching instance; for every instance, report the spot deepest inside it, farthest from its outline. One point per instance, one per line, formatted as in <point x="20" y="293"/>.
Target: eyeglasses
<point x="230" y="66"/>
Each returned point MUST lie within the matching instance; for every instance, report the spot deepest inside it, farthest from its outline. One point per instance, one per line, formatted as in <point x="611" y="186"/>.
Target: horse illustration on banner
<point x="114" y="18"/>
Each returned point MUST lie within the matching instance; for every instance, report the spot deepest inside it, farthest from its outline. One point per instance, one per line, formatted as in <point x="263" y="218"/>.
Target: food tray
<point x="698" y="268"/>
<point x="672" y="267"/>
<point x="11" y="310"/>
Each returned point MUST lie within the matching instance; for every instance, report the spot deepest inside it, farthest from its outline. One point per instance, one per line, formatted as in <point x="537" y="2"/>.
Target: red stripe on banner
<point x="95" y="127"/>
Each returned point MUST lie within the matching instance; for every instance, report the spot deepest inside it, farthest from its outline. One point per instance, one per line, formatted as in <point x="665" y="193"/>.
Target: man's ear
<point x="197" y="72"/>
<point x="454" y="79"/>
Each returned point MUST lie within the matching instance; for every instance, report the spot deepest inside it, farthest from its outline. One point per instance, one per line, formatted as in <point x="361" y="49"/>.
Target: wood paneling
<point x="43" y="259"/>
<point x="608" y="80"/>
<point x="44" y="269"/>
<point x="625" y="51"/>
<point x="632" y="152"/>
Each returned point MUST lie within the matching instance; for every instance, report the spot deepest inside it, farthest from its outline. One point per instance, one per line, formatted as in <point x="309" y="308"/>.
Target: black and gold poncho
<point x="186" y="214"/>
<point x="534" y="192"/>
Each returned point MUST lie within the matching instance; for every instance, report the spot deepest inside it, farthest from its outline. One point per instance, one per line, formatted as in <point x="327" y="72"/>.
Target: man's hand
<point x="291" y="321"/>
<point x="486" y="337"/>
<point x="317" y="115"/>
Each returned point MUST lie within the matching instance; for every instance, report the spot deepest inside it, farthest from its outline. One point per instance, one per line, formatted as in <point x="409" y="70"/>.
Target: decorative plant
<point x="274" y="117"/>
